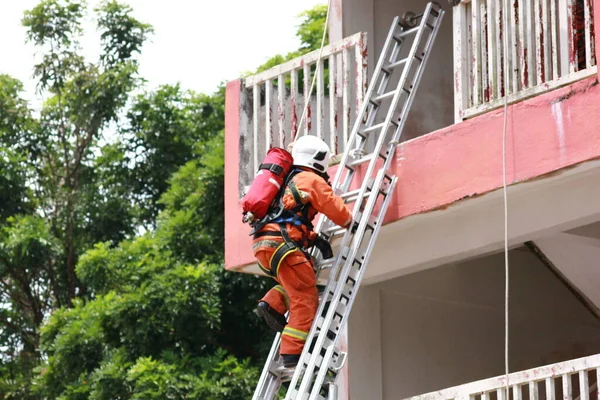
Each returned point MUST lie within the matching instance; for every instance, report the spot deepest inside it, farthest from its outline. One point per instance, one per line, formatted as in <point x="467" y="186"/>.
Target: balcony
<point x="549" y="44"/>
<point x="449" y="164"/>
<point x="273" y="101"/>
<point x="570" y="380"/>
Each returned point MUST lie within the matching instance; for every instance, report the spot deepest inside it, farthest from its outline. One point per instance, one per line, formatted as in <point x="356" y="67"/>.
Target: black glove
<point x="325" y="176"/>
<point x="324" y="247"/>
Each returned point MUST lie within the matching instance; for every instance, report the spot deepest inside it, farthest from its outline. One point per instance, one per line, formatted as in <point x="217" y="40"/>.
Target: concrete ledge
<point x="474" y="227"/>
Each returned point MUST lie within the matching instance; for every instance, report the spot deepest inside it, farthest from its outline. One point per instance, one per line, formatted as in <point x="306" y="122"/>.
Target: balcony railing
<point x="570" y="380"/>
<point x="275" y="100"/>
<point x="550" y="44"/>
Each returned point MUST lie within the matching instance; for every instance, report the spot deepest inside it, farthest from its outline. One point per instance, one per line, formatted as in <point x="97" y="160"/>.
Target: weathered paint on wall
<point x="466" y="159"/>
<point x="237" y="241"/>
<point x="535" y="63"/>
<point x="335" y="21"/>
<point x="460" y="161"/>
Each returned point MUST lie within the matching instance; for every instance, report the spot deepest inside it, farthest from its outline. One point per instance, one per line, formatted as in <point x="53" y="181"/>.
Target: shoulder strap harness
<point x="297" y="215"/>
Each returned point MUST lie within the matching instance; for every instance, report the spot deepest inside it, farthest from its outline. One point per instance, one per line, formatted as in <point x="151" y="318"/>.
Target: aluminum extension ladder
<point x="373" y="142"/>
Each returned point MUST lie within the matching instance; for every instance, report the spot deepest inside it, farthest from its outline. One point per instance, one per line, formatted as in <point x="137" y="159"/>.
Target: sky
<point x="196" y="42"/>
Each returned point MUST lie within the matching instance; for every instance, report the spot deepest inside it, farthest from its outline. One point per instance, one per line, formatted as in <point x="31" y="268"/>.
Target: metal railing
<point x="569" y="380"/>
<point x="550" y="44"/>
<point x="278" y="98"/>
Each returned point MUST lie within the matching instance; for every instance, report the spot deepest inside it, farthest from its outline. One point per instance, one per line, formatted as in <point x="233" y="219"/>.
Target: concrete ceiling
<point x="590" y="230"/>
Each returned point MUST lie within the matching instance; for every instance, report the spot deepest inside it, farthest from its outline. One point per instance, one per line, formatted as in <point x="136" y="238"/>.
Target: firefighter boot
<point x="290" y="360"/>
<point x="273" y="319"/>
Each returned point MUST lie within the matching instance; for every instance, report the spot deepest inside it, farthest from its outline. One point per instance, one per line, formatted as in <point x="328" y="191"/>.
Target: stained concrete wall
<point x="433" y="107"/>
<point x="445" y="326"/>
<point x="576" y="256"/>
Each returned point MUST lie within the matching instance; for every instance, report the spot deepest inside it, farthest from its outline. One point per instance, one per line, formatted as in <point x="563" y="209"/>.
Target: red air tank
<point x="267" y="183"/>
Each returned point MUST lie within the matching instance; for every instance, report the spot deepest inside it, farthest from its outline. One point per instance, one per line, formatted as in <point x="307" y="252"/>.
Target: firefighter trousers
<point x="297" y="292"/>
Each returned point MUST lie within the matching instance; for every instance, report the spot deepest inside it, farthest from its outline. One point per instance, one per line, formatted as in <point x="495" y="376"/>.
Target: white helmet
<point x="310" y="151"/>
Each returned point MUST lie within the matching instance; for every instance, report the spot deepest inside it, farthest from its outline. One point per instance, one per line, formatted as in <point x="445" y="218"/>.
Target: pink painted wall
<point x="238" y="244"/>
<point x="597" y="34"/>
<point x="545" y="134"/>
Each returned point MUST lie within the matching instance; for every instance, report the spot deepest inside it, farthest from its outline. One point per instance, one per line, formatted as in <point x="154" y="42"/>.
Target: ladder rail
<point x="367" y="108"/>
<point x="316" y="357"/>
<point x="394" y="104"/>
<point x="369" y="250"/>
<point x="322" y="374"/>
<point x="419" y="74"/>
<point x="364" y="106"/>
<point x="358" y="123"/>
<point x="267" y="379"/>
<point x="342" y="166"/>
<point x="391" y="108"/>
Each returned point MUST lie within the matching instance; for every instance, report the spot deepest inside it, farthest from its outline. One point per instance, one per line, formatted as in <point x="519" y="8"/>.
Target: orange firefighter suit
<point x="297" y="290"/>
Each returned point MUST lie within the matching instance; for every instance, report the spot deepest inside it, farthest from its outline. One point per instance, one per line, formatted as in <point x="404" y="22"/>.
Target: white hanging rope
<point x="312" y="85"/>
<point x="504" y="189"/>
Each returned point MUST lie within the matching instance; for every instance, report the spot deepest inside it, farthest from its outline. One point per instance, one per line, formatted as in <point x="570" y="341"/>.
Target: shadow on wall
<point x="445" y="326"/>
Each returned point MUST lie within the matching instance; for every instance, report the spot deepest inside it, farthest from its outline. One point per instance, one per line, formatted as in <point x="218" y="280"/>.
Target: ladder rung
<point x="284" y="374"/>
<point x="403" y="34"/>
<point x="335" y="232"/>
<point x="397" y="63"/>
<point x="373" y="128"/>
<point x="377" y="127"/>
<point x="369" y="157"/>
<point x="353" y="194"/>
<point x="384" y="96"/>
<point x="429" y="26"/>
<point x="362" y="160"/>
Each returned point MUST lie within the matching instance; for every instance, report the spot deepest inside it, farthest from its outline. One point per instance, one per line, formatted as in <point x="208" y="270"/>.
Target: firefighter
<point x="281" y="246"/>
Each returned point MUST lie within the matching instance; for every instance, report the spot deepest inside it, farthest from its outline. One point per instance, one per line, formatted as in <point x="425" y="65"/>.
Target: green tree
<point x="15" y="120"/>
<point x="83" y="98"/>
<point x="93" y="305"/>
<point x="154" y="328"/>
<point x="164" y="129"/>
<point x="310" y="34"/>
<point x="49" y="168"/>
<point x="312" y="25"/>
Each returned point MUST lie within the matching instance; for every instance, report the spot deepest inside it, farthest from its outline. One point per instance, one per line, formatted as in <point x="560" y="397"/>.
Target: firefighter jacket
<point x="314" y="191"/>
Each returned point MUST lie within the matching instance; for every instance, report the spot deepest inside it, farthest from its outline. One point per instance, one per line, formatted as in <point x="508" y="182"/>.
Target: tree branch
<point x="33" y="301"/>
<point x="91" y="131"/>
<point x="10" y="325"/>
<point x="49" y="268"/>
<point x="8" y="290"/>
<point x="62" y="130"/>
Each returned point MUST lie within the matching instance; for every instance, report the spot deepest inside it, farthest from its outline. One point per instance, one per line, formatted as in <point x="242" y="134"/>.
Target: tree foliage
<point x="310" y="34"/>
<point x="112" y="283"/>
<point x="165" y="129"/>
<point x="82" y="99"/>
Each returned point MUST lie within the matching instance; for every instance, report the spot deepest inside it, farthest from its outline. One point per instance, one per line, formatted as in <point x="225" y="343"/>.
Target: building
<point x="429" y="318"/>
